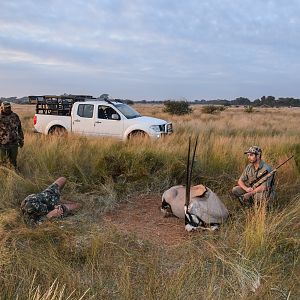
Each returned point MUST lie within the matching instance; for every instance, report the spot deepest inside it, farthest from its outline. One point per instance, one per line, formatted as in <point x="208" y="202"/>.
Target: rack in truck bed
<point x="56" y="105"/>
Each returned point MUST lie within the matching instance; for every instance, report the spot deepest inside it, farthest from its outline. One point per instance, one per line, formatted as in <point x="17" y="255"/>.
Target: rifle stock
<point x="263" y="179"/>
<point x="268" y="175"/>
<point x="253" y="182"/>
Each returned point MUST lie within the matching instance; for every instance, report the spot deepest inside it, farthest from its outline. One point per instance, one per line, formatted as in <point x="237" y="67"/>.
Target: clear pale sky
<point x="153" y="50"/>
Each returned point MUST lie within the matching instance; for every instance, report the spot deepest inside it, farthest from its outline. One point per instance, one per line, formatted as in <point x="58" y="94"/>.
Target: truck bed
<point x="43" y="123"/>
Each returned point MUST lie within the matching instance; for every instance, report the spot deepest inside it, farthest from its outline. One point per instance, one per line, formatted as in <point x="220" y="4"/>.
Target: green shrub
<point x="177" y="107"/>
<point x="212" y="109"/>
<point x="249" y="109"/>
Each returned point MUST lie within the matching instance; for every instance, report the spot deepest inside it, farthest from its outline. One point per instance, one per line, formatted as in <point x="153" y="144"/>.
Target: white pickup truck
<point x="95" y="117"/>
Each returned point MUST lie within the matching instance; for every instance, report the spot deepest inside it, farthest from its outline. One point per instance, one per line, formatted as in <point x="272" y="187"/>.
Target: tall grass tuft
<point x="255" y="229"/>
<point x="54" y="292"/>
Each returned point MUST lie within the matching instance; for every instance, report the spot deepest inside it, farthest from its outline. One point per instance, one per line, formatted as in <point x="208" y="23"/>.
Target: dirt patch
<point x="143" y="217"/>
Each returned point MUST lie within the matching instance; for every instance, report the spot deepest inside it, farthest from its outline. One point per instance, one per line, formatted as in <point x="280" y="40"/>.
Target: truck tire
<point x="137" y="134"/>
<point x="57" y="130"/>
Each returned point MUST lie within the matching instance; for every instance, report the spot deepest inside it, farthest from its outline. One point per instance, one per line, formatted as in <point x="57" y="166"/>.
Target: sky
<point x="150" y="49"/>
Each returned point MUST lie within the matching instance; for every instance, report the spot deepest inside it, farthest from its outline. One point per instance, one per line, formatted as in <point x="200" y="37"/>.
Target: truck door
<point x="108" y="122"/>
<point x="83" y="119"/>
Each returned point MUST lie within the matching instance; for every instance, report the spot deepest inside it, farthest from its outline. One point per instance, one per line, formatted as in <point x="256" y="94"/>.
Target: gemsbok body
<point x="205" y="209"/>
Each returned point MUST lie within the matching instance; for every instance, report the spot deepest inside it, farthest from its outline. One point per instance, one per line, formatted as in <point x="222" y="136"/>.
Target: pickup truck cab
<point x="96" y="117"/>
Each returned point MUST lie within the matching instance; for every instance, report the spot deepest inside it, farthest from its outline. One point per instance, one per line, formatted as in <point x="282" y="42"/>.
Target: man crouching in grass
<point x="37" y="208"/>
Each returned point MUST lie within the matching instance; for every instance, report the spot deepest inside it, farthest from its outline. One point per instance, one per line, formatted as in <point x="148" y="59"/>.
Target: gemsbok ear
<point x="189" y="173"/>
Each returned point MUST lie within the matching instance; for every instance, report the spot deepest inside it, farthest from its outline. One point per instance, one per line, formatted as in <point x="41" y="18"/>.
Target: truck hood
<point x="149" y="120"/>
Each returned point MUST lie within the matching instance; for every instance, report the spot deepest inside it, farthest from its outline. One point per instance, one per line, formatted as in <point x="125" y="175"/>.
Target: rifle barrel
<point x="268" y="175"/>
<point x="284" y="162"/>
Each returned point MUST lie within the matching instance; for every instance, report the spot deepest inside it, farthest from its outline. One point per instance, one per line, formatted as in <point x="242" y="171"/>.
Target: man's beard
<point x="6" y="112"/>
<point x="253" y="161"/>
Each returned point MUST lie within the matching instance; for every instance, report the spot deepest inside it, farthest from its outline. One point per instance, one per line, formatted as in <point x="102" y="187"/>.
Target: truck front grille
<point x="169" y="128"/>
<point x="162" y="128"/>
<point x="166" y="128"/>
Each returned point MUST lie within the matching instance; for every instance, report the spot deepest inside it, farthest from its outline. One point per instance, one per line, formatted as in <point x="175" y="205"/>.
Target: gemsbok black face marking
<point x="166" y="208"/>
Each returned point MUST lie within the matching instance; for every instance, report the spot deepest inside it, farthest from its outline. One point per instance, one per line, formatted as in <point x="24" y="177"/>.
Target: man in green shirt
<point x="256" y="168"/>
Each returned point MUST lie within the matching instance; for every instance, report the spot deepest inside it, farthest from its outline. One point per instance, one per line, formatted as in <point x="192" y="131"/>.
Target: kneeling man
<point x="255" y="170"/>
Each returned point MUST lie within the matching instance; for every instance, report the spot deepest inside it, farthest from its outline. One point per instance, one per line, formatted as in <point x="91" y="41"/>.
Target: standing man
<point x="11" y="134"/>
<point x="256" y="169"/>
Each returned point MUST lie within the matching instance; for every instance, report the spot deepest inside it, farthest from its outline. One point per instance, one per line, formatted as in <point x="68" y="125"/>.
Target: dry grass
<point x="254" y="256"/>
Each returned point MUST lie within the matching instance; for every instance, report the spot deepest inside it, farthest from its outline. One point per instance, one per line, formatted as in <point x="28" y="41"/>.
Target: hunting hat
<point x="254" y="149"/>
<point x="27" y="206"/>
<point x="5" y="104"/>
<point x="31" y="206"/>
<point x="198" y="190"/>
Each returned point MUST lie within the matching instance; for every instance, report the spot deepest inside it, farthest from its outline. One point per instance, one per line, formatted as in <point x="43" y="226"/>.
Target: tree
<point x="241" y="101"/>
<point x="269" y="100"/>
<point x="256" y="102"/>
<point x="177" y="107"/>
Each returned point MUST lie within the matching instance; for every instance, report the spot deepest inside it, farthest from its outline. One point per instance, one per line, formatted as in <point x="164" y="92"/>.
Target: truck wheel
<point x="137" y="134"/>
<point x="57" y="130"/>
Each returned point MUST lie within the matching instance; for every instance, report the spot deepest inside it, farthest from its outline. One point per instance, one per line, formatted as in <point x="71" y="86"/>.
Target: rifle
<point x="264" y="178"/>
<point x="258" y="178"/>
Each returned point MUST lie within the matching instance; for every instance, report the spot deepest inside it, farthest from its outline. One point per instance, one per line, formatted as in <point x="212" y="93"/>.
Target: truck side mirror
<point x="115" y="117"/>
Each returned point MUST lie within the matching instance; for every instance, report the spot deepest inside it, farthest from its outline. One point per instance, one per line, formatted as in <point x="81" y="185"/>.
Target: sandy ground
<point x="143" y="218"/>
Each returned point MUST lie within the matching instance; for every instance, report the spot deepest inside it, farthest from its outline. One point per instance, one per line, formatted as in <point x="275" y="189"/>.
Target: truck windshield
<point x="127" y="111"/>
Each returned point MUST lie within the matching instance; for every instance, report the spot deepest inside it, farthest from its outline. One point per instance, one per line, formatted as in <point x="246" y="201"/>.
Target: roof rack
<point x="56" y="105"/>
<point x="110" y="101"/>
<point x="62" y="105"/>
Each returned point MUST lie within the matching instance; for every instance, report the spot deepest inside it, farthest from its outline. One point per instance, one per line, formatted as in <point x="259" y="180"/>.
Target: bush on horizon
<point x="178" y="108"/>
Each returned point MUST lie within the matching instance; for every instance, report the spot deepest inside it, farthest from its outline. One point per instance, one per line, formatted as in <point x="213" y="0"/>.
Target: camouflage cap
<point x="28" y="207"/>
<point x="254" y="149"/>
<point x="31" y="206"/>
<point x="5" y="104"/>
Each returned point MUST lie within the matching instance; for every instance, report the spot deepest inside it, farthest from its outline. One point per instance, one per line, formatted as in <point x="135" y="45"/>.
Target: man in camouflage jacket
<point x="11" y="134"/>
<point x="37" y="208"/>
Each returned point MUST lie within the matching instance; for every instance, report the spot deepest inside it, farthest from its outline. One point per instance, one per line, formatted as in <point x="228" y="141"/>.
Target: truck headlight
<point x="155" y="128"/>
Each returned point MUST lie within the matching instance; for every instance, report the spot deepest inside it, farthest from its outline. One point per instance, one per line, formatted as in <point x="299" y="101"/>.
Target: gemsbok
<point x="198" y="205"/>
